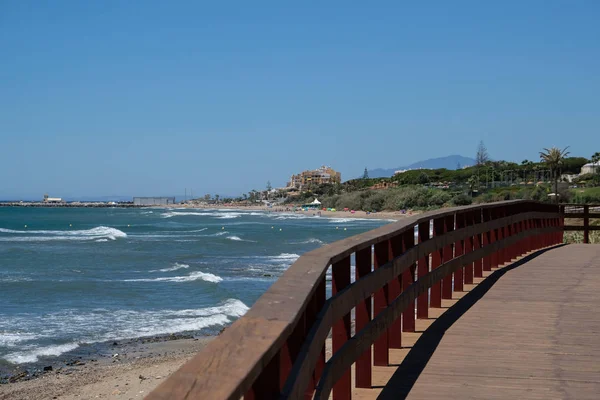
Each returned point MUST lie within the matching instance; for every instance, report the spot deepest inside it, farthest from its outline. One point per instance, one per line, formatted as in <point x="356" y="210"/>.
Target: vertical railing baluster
<point x="394" y="290"/>
<point x="468" y="247"/>
<point x="340" y="279"/>
<point x="501" y="232"/>
<point x="381" y="346"/>
<point x="477" y="244"/>
<point x="314" y="307"/>
<point x="586" y="224"/>
<point x="435" y="300"/>
<point x="459" y="249"/>
<point x="363" y="317"/>
<point x="494" y="238"/>
<point x="423" y="267"/>
<point x="487" y="239"/>
<point x="447" y="255"/>
<point x="266" y="386"/>
<point x="408" y="277"/>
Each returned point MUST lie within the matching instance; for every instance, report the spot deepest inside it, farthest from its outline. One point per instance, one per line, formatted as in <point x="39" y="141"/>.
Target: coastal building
<point x="590" y="168"/>
<point x="317" y="176"/>
<point x="153" y="201"/>
<point x="48" y="199"/>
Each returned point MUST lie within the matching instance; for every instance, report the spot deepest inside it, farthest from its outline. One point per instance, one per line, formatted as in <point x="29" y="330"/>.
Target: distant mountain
<point x="448" y="162"/>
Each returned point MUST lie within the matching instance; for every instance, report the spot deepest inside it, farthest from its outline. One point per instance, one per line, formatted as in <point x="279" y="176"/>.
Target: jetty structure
<point x="481" y="301"/>
<point x="48" y="199"/>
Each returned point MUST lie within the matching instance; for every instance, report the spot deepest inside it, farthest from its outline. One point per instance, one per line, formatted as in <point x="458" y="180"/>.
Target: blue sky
<point x="148" y="97"/>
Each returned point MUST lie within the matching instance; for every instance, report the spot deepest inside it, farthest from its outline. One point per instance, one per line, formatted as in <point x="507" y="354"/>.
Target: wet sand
<point x="132" y="374"/>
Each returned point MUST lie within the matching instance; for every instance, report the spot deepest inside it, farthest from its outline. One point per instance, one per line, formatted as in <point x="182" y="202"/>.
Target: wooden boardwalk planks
<point x="528" y="331"/>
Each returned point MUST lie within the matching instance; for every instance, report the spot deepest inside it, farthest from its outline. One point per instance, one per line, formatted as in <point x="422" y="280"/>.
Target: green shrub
<point x="462" y="200"/>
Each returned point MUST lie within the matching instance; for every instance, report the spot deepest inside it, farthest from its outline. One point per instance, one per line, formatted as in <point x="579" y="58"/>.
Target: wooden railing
<point x="277" y="350"/>
<point x="584" y="212"/>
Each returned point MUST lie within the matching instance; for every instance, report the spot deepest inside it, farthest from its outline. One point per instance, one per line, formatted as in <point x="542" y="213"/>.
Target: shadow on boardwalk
<point x="403" y="380"/>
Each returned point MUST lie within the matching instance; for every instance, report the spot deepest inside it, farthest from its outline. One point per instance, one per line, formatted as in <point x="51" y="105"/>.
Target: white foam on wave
<point x="341" y="220"/>
<point x="28" y="356"/>
<point x="309" y="241"/>
<point x="286" y="256"/>
<point x="100" y="325"/>
<point x="175" y="267"/>
<point x="193" y="276"/>
<point x="15" y="279"/>
<point x="218" y="215"/>
<point x="8" y="339"/>
<point x="171" y="214"/>
<point x="102" y="240"/>
<point x="228" y="215"/>
<point x="239" y="239"/>
<point x="292" y="216"/>
<point x="99" y="232"/>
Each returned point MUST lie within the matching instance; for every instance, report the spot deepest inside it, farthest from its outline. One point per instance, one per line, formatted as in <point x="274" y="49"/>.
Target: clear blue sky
<point x="147" y="97"/>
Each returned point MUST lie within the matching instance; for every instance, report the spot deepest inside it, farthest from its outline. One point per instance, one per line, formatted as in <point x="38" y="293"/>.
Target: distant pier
<point x="73" y="204"/>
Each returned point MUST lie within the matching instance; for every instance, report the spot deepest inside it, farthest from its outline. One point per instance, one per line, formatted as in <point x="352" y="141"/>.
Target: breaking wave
<point x="239" y="239"/>
<point x="173" y="268"/>
<point x="102" y="325"/>
<point x="28" y="356"/>
<point x="100" y="232"/>
<point x="309" y="241"/>
<point x="193" y="276"/>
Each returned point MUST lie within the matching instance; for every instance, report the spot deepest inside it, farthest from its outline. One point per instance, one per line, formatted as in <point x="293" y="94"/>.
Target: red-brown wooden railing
<point x="584" y="212"/>
<point x="277" y="350"/>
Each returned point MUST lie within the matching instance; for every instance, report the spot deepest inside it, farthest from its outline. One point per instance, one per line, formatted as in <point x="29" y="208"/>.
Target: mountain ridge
<point x="453" y="161"/>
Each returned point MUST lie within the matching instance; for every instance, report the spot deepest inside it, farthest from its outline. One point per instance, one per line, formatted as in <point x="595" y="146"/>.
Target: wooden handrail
<point x="588" y="211"/>
<point x="277" y="349"/>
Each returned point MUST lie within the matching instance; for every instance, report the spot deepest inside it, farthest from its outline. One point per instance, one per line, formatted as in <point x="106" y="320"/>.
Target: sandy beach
<point x="134" y="373"/>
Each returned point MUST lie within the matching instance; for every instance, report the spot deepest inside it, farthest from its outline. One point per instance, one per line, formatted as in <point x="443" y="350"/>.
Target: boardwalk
<point x="530" y="330"/>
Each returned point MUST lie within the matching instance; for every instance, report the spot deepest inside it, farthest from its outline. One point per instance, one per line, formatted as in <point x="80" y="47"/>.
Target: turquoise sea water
<point x="72" y="277"/>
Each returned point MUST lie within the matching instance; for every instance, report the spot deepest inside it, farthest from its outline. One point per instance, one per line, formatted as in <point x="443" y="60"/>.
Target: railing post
<point x="561" y="237"/>
<point x="266" y="385"/>
<point x="381" y="346"/>
<point x="487" y="239"/>
<point x="494" y="238"/>
<point x="394" y="289"/>
<point x="502" y="233"/>
<point x="520" y="248"/>
<point x="435" y="300"/>
<point x="363" y="317"/>
<point x="423" y="269"/>
<point x="459" y="249"/>
<point x="477" y="244"/>
<point x="586" y="224"/>
<point x="408" y="277"/>
<point x="447" y="256"/>
<point x="316" y="304"/>
<point x="340" y="278"/>
<point x="468" y="247"/>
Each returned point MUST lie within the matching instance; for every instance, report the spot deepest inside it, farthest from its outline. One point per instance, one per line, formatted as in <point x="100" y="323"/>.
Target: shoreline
<point x="382" y="215"/>
<point x="133" y="369"/>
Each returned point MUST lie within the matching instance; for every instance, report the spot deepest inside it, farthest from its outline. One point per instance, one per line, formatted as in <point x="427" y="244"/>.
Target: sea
<point x="74" y="277"/>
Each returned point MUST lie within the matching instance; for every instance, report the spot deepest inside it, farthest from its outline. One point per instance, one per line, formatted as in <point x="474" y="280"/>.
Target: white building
<point x="52" y="199"/>
<point x="590" y="168"/>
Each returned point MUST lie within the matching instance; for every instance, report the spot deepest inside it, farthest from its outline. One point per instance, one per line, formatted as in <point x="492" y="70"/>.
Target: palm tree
<point x="554" y="158"/>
